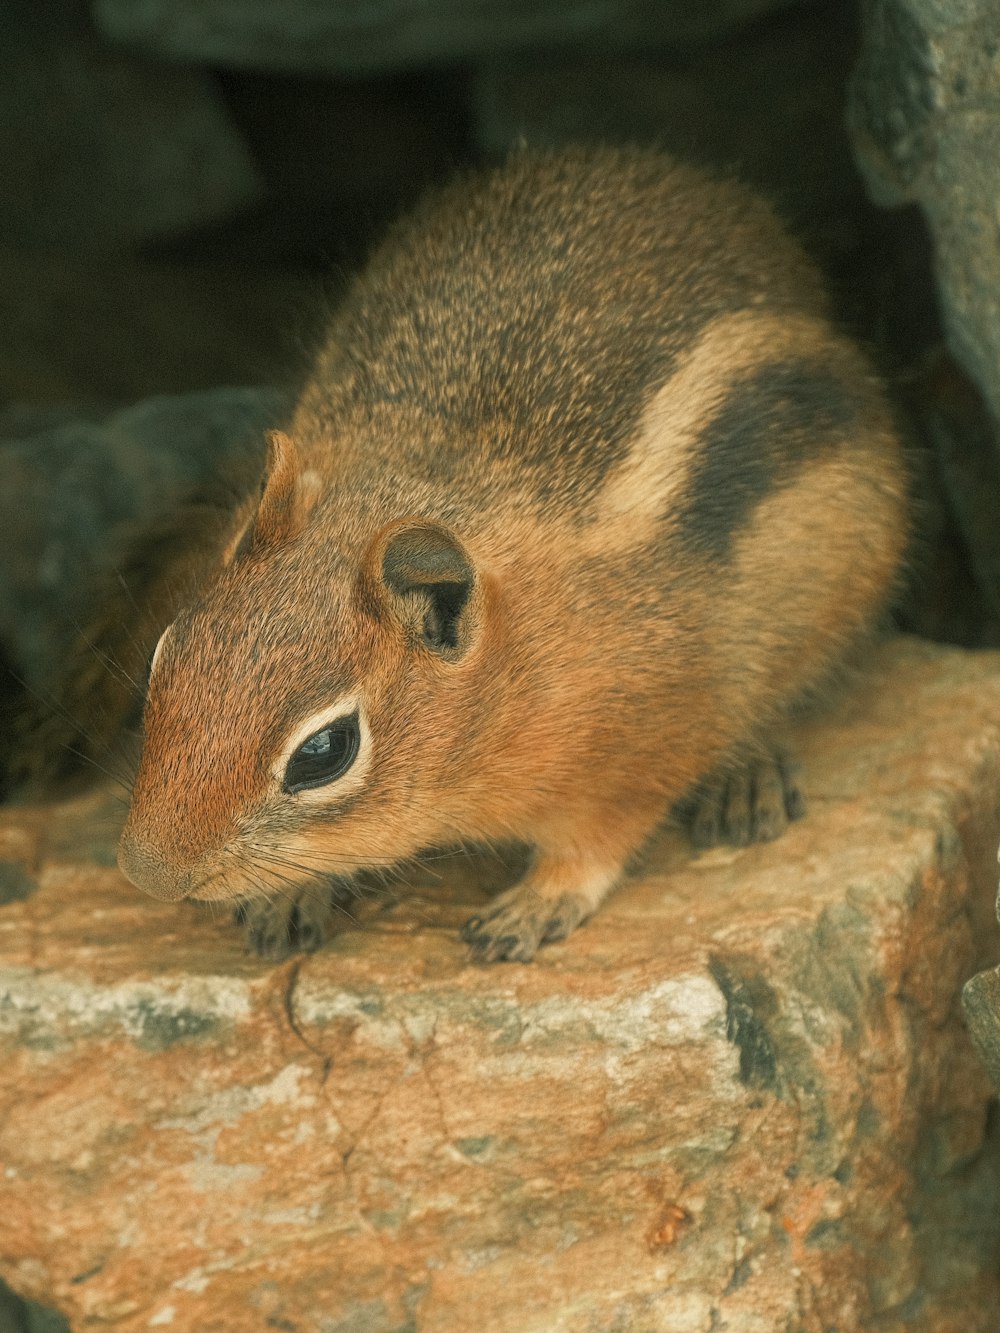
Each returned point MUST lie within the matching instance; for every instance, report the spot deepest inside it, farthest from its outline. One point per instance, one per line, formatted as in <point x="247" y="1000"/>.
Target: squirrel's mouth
<point x="215" y="890"/>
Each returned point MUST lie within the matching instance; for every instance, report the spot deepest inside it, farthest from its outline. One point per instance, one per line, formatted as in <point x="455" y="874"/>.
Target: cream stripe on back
<point x="658" y="468"/>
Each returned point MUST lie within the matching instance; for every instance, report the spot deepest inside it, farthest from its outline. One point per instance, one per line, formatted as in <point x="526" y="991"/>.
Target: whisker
<point x="115" y="668"/>
<point x="120" y="771"/>
<point x="128" y="592"/>
<point x="325" y="896"/>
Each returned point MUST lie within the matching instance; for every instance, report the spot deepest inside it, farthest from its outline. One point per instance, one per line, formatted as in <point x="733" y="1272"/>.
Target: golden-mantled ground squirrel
<point x="584" y="494"/>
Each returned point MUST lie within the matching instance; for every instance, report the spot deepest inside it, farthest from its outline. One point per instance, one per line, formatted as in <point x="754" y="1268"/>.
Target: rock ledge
<point x="742" y="1099"/>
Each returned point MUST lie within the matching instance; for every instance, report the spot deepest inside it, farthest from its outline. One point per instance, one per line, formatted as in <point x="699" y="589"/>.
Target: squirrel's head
<point x="303" y="715"/>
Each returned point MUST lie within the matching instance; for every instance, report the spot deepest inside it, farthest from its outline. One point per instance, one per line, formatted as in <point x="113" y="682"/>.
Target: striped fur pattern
<point x="586" y="492"/>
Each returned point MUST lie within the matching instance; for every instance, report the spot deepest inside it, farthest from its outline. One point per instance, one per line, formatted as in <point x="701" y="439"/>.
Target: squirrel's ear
<point x="424" y="572"/>
<point x="286" y="501"/>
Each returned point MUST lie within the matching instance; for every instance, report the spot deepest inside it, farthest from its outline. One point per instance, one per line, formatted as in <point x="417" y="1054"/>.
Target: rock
<point x="355" y="37"/>
<point x="925" y="116"/>
<point x="67" y="490"/>
<point x="769" y="105"/>
<point x="102" y="149"/>
<point x="742" y="1097"/>
<point x="20" y="1316"/>
<point x="341" y="158"/>
<point x="77" y="502"/>
<point x="18" y="421"/>
<point x="981" y="1000"/>
<point x="957" y="575"/>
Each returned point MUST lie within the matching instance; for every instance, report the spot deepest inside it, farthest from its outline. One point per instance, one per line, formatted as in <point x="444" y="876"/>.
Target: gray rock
<point x="20" y="1316"/>
<point x="102" y="149"/>
<point x="67" y="495"/>
<point x="20" y="420"/>
<point x="981" y="1002"/>
<point x="925" y="119"/>
<point x="356" y="36"/>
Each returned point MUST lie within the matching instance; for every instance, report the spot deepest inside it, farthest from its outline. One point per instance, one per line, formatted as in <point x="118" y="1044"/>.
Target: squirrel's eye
<point x="326" y="755"/>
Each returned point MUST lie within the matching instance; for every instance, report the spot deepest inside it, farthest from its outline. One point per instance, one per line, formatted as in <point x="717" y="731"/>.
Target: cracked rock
<point x="981" y="999"/>
<point x="742" y="1097"/>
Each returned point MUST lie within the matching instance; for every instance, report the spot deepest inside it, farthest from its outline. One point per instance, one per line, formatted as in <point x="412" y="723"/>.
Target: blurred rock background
<point x="187" y="185"/>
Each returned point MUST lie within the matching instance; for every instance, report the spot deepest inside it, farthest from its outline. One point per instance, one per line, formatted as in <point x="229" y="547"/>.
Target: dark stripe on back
<point x="526" y="317"/>
<point x="775" y="421"/>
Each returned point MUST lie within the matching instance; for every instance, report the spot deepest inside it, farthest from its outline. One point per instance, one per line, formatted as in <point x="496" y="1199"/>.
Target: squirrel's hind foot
<point x="753" y="800"/>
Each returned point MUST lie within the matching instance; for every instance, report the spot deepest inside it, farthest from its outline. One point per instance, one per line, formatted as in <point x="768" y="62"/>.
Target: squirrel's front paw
<point x="300" y="921"/>
<point x="511" y="929"/>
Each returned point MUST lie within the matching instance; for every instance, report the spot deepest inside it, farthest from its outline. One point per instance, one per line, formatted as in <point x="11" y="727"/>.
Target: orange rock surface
<point x="741" y="1099"/>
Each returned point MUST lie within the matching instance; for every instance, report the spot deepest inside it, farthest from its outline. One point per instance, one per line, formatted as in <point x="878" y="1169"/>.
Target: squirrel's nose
<point x="150" y="872"/>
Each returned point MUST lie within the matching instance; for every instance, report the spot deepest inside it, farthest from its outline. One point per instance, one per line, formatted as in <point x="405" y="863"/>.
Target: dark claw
<point x="795" y="803"/>
<point x="705" y="828"/>
<point x="767" y="825"/>
<point x="271" y="947"/>
<point x="738" y="832"/>
<point x="309" y="938"/>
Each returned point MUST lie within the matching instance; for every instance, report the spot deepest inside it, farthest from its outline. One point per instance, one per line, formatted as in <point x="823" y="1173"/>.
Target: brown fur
<point x="596" y="397"/>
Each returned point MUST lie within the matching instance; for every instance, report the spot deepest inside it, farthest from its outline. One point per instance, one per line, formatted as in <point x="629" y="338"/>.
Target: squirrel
<point x="586" y="493"/>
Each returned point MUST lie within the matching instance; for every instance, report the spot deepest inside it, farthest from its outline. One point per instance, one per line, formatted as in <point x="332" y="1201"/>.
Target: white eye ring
<point x="156" y="651"/>
<point x="340" y="710"/>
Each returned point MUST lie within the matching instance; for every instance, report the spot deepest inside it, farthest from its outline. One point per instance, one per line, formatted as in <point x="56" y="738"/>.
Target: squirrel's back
<point x="527" y="313"/>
